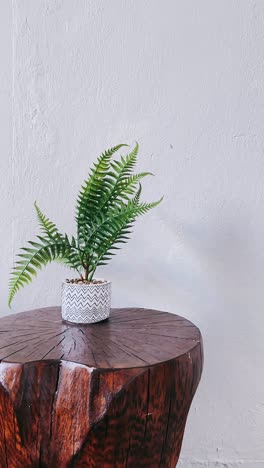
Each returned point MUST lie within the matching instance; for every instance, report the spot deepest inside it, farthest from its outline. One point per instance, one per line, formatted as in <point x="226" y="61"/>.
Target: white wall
<point x="185" y="79"/>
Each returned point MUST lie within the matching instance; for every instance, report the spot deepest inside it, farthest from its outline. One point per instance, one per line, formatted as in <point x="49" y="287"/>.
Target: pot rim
<point x="88" y="285"/>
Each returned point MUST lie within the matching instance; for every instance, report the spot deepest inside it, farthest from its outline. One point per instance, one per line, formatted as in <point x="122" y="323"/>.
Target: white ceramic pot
<point x="86" y="303"/>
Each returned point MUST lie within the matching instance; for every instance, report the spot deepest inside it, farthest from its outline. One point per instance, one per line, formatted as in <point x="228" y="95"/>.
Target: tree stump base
<point x="111" y="394"/>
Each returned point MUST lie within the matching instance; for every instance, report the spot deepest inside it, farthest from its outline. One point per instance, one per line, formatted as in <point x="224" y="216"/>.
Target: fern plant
<point x="107" y="207"/>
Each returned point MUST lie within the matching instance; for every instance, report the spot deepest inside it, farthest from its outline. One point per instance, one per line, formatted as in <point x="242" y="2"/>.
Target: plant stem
<point x="91" y="275"/>
<point x="86" y="268"/>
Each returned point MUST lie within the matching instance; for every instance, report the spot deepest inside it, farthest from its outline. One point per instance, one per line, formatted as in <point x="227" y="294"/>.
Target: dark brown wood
<point x="112" y="394"/>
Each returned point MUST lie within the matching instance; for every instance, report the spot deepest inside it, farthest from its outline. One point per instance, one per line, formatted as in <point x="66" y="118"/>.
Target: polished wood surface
<point x="112" y="394"/>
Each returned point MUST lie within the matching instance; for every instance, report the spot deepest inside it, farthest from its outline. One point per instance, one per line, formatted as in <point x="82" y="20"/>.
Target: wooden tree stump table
<point x="111" y="394"/>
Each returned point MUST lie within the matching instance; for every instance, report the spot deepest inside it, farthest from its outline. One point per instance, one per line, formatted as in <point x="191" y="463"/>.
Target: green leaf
<point x="47" y="226"/>
<point x="92" y="190"/>
<point x="137" y="195"/>
<point x="114" y="228"/>
<point x="40" y="254"/>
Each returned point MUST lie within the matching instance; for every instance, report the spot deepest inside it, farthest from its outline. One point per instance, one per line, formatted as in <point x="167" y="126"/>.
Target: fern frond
<point x="120" y="172"/>
<point x="92" y="190"/>
<point x="136" y="198"/>
<point x="73" y="258"/>
<point x="47" y="226"/>
<point x="123" y="168"/>
<point x="122" y="190"/>
<point x="114" y="228"/>
<point x="74" y="255"/>
<point x="32" y="259"/>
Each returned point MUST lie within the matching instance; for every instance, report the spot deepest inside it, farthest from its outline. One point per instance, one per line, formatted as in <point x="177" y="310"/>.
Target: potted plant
<point x="107" y="206"/>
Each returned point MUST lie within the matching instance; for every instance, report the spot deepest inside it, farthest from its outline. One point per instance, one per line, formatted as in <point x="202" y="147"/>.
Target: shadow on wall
<point x="212" y="265"/>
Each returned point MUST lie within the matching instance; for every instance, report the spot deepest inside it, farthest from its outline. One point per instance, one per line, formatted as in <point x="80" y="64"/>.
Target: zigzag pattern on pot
<point x="86" y="303"/>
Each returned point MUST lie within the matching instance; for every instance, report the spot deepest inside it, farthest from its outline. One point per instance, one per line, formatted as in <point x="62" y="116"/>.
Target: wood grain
<point x="112" y="394"/>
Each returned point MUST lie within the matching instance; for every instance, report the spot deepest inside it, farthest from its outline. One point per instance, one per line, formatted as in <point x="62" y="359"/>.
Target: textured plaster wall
<point x="186" y="79"/>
